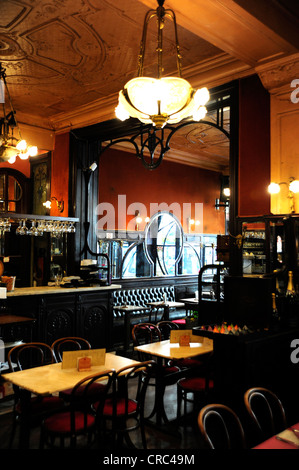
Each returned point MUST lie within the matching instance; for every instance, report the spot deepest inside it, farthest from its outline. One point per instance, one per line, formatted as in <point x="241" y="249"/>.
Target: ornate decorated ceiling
<point x="66" y="60"/>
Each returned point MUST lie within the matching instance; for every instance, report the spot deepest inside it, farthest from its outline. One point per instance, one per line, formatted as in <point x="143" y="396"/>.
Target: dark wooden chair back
<point x="221" y="427"/>
<point x="165" y="328"/>
<point x="70" y="343"/>
<point x="27" y="355"/>
<point x="266" y="412"/>
<point x="145" y="333"/>
<point x="125" y="407"/>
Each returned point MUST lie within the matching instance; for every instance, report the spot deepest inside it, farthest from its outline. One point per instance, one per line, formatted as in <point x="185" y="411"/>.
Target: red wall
<point x="21" y="165"/>
<point x="122" y="173"/>
<point x="60" y="174"/>
<point x="254" y="148"/>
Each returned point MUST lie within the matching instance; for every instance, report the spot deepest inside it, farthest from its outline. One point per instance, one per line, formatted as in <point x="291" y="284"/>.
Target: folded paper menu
<point x="175" y="336"/>
<point x="70" y="358"/>
<point x="289" y="435"/>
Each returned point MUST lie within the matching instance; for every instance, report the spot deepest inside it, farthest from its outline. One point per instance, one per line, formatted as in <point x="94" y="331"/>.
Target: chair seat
<point x="43" y="405"/>
<point x="195" y="384"/>
<point x="170" y="369"/>
<point x="180" y="321"/>
<point x="61" y="422"/>
<point x="188" y="362"/>
<point x="94" y="389"/>
<point x="120" y="407"/>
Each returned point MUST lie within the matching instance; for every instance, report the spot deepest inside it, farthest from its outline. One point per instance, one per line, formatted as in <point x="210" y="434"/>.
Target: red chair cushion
<point x="170" y="369"/>
<point x="94" y="389"/>
<point x="195" y="384"/>
<point x="188" y="362"/>
<point x="120" y="407"/>
<point x="61" y="422"/>
<point x="181" y="321"/>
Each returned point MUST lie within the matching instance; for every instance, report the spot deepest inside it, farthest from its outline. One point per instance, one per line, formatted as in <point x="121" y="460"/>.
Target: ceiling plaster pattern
<point x="66" y="60"/>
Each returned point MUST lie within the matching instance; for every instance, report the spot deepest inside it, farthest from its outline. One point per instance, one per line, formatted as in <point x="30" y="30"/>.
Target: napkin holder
<point x="84" y="363"/>
<point x="184" y="340"/>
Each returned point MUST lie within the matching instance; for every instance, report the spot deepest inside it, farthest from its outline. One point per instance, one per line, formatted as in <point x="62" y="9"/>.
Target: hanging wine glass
<point x="33" y="230"/>
<point x="19" y="228"/>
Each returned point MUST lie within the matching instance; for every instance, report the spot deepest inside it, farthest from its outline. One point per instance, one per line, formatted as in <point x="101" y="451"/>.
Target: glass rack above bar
<point x="14" y="216"/>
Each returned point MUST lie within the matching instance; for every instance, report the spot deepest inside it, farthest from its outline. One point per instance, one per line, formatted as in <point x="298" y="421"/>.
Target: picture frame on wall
<point x="40" y="170"/>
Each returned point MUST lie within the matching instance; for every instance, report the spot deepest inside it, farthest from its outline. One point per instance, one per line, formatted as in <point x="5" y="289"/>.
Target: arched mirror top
<point x="163" y="242"/>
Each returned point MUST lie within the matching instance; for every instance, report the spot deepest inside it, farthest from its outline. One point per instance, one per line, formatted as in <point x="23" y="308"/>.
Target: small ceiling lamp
<point x="159" y="101"/>
<point x="11" y="146"/>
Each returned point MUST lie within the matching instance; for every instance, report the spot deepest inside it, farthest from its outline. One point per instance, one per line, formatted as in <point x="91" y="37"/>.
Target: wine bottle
<point x="275" y="314"/>
<point x="292" y="302"/>
<point x="290" y="292"/>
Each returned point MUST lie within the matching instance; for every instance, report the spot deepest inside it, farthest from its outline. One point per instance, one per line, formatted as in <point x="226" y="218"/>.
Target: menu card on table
<point x="96" y="357"/>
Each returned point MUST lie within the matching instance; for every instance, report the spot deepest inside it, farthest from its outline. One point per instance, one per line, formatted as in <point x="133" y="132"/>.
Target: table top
<point x="10" y="319"/>
<point x="192" y="300"/>
<point x="275" y="443"/>
<point x="53" y="378"/>
<point x="169" y="350"/>
<point x="130" y="308"/>
<point x="49" y="290"/>
<point x="162" y="303"/>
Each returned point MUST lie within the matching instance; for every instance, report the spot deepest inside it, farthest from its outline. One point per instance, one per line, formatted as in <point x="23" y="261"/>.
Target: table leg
<point x="127" y="330"/>
<point x="25" y="397"/>
<point x="166" y="312"/>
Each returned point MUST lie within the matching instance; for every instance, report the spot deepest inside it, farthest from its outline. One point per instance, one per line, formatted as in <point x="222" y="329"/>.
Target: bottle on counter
<point x="275" y="319"/>
<point x="292" y="302"/>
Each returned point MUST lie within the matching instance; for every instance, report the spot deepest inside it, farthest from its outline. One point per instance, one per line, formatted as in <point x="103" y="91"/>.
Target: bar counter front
<point x="60" y="311"/>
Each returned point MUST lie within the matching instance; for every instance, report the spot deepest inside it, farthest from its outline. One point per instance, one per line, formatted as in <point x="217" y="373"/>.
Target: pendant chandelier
<point x="162" y="100"/>
<point x="11" y="146"/>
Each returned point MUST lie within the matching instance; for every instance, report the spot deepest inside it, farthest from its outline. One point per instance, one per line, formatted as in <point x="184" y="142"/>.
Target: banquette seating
<point x="141" y="297"/>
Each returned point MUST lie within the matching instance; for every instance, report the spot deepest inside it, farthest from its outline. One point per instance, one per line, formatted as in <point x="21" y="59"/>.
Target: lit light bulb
<point x="32" y="151"/>
<point x="273" y="188"/>
<point x="24" y="155"/>
<point x="294" y="186"/>
<point x="21" y="145"/>
<point x="121" y="113"/>
<point x="12" y="159"/>
<point x="201" y="96"/>
<point x="47" y="204"/>
<point x="226" y="192"/>
<point x="199" y="113"/>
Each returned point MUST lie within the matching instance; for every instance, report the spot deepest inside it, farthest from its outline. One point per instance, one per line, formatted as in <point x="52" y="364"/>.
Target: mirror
<point x="254" y="247"/>
<point x="10" y="192"/>
<point x="163" y="240"/>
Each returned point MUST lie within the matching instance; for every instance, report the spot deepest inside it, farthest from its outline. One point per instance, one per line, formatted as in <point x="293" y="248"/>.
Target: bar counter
<point x="45" y="290"/>
<point x="65" y="311"/>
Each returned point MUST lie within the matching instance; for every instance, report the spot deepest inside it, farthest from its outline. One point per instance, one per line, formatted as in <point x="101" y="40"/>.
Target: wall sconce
<point x="60" y="204"/>
<point x="138" y="219"/>
<point x="223" y="201"/>
<point x="293" y="187"/>
<point x="192" y="224"/>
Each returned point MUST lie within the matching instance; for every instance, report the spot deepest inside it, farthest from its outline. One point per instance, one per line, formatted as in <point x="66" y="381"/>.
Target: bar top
<point x="45" y="290"/>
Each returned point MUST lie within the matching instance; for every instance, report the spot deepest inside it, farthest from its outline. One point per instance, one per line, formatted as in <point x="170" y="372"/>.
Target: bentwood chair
<point x="266" y="412"/>
<point x="72" y="343"/>
<point x="145" y="333"/>
<point x="24" y="356"/>
<point x="221" y="428"/>
<point x="69" y="343"/>
<point x="79" y="419"/>
<point x="123" y="411"/>
<point x="192" y="365"/>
